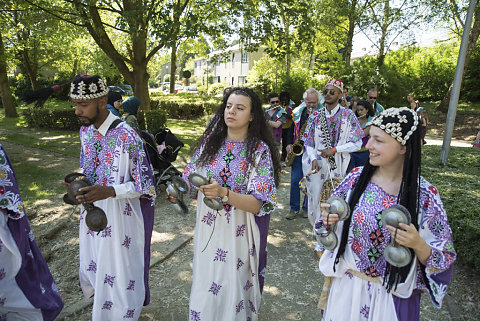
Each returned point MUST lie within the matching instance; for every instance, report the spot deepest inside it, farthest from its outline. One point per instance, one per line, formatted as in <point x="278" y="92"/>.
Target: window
<point x="195" y="64"/>
<point x="242" y="80"/>
<point x="244" y="57"/>
<point x="233" y="59"/>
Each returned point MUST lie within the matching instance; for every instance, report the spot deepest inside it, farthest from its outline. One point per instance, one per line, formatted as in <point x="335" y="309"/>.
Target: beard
<point x="87" y="121"/>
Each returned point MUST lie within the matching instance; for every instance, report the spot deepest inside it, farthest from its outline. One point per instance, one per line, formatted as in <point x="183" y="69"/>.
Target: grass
<point x="462" y="107"/>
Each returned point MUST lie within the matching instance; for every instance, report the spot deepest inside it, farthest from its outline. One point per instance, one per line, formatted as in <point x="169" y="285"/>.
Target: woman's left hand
<point x="212" y="190"/>
<point x="407" y="235"/>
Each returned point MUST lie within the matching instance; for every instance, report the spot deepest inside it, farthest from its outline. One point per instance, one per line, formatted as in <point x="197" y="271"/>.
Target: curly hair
<point x="216" y="133"/>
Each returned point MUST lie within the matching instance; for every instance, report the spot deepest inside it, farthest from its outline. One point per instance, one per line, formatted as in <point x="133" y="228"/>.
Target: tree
<point x="8" y="101"/>
<point x="453" y="10"/>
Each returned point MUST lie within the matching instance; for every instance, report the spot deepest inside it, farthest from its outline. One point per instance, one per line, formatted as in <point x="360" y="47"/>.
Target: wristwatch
<point x="225" y="198"/>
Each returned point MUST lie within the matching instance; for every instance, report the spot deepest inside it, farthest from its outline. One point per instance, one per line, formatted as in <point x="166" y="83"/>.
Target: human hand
<point x="213" y="189"/>
<point x="95" y="193"/>
<point x="315" y="166"/>
<point x="407" y="235"/>
<point x="325" y="153"/>
<point x="328" y="219"/>
<point x="289" y="148"/>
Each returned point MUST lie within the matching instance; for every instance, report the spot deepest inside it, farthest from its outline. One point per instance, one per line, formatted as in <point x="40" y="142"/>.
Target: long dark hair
<point x="366" y="104"/>
<point x="409" y="195"/>
<point x="258" y="130"/>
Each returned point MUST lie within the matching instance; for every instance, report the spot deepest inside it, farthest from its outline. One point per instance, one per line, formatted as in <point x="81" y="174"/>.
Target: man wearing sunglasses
<point x="372" y="96"/>
<point x="276" y="117"/>
<point x="333" y="132"/>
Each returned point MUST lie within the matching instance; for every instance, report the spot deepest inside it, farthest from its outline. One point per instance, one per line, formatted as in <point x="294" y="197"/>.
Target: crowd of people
<point x="339" y="145"/>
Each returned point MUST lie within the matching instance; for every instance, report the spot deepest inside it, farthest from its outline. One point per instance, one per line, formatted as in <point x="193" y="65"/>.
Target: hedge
<point x="66" y="118"/>
<point x="185" y="109"/>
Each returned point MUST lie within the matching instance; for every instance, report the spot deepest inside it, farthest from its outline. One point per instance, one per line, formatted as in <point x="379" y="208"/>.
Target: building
<point x="231" y="65"/>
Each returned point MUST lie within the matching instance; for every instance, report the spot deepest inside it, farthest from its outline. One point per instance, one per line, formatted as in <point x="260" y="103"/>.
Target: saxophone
<point x="297" y="147"/>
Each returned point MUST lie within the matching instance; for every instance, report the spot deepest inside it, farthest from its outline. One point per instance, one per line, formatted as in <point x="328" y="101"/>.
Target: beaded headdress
<point x="400" y="123"/>
<point x="88" y="87"/>
<point x="335" y="83"/>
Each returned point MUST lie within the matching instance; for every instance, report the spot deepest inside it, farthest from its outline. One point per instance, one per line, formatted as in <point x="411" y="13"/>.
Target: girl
<point x="238" y="155"/>
<point x="364" y="112"/>
<point x="364" y="284"/>
<point x="130" y="110"/>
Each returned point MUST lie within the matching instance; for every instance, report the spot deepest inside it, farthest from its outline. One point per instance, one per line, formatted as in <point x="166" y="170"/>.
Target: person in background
<point x="130" y="110"/>
<point x="372" y="96"/>
<point x="287" y="128"/>
<point x="353" y="103"/>
<point x="114" y="102"/>
<point x="348" y="98"/>
<point x="114" y="263"/>
<point x="363" y="284"/>
<point x="414" y="104"/>
<point x="424" y="121"/>
<point x="276" y="117"/>
<point x="310" y="103"/>
<point x="239" y="158"/>
<point x="27" y="288"/>
<point x="332" y="133"/>
<point x="365" y="114"/>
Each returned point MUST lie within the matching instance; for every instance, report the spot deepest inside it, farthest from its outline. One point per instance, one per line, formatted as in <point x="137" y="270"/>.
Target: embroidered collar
<point x="333" y="112"/>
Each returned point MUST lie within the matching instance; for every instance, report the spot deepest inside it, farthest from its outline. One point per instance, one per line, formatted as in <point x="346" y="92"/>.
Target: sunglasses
<point x="331" y="91"/>
<point x="275" y="102"/>
<point x="370" y="97"/>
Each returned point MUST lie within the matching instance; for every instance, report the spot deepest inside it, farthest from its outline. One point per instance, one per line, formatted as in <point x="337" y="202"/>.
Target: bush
<point x="151" y="120"/>
<point x="217" y="88"/>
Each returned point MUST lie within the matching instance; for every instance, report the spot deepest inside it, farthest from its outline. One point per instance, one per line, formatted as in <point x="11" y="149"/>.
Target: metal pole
<point x="457" y="82"/>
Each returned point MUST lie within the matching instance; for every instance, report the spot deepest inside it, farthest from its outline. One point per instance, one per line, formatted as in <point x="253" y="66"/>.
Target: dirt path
<point x="293" y="281"/>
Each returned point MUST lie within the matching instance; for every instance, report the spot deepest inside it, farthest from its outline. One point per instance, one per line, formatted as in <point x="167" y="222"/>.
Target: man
<point x="301" y="114"/>
<point x="332" y="134"/>
<point x="27" y="289"/>
<point x="287" y="129"/>
<point x="372" y="96"/>
<point x="276" y="117"/>
<point x="114" y="262"/>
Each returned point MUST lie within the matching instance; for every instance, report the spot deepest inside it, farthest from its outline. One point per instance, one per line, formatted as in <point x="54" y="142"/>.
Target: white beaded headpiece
<point x="88" y="87"/>
<point x="400" y="123"/>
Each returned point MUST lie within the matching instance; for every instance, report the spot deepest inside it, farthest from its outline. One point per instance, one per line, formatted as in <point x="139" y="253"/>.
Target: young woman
<point x="130" y="110"/>
<point x="363" y="283"/>
<point x="238" y="155"/>
<point x="364" y="112"/>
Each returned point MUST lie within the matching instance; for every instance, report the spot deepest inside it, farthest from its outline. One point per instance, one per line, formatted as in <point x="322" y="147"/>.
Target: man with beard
<point x="114" y="262"/>
<point x="332" y="133"/>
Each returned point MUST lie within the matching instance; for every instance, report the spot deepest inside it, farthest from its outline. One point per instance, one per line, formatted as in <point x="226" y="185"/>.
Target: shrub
<point x="217" y="88"/>
<point x="151" y="120"/>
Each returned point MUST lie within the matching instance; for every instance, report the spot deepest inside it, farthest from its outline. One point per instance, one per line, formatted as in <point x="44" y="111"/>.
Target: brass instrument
<point x="297" y="147"/>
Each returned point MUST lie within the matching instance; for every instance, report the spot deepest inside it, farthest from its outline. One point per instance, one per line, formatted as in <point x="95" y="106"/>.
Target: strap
<point x="115" y="123"/>
<point x="326" y="137"/>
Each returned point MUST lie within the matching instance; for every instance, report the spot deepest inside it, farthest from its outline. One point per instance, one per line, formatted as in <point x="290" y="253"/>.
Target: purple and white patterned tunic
<point x="27" y="289"/>
<point x="114" y="263"/>
<point x="367" y="239"/>
<point x="345" y="135"/>
<point x="230" y="252"/>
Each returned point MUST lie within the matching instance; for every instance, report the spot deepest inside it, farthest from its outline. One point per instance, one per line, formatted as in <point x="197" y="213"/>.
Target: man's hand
<point x="325" y="153"/>
<point x="289" y="148"/>
<point x="95" y="193"/>
<point x="315" y="165"/>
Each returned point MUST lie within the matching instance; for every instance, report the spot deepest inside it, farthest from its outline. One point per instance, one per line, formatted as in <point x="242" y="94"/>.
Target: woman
<point x="364" y="112"/>
<point x="364" y="284"/>
<point x="114" y="102"/>
<point x="130" y="109"/>
<point x="239" y="157"/>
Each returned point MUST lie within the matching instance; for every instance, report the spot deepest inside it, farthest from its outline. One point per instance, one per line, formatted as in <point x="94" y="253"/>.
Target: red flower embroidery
<point x="87" y="150"/>
<point x="388" y="201"/>
<point x="359" y="217"/>
<point x="2" y="190"/>
<point x="262" y="187"/>
<point x="356" y="169"/>
<point x="243" y="166"/>
<point x="353" y="181"/>
<point x="358" y="131"/>
<point x="356" y="247"/>
<point x="108" y="158"/>
<point x="104" y="182"/>
<point x="230" y="146"/>
<point x="427" y="203"/>
<point x="123" y="137"/>
<point x="99" y="136"/>
<point x="213" y="162"/>
<point x="433" y="189"/>
<point x="186" y="171"/>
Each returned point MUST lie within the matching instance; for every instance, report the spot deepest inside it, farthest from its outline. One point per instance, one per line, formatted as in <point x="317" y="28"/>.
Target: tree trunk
<point x="472" y="40"/>
<point x="352" y="17"/>
<point x="30" y="66"/>
<point x="173" y="66"/>
<point x="383" y="37"/>
<point x="8" y="101"/>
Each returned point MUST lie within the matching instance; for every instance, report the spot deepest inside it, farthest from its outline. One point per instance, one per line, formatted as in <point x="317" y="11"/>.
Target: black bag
<point x="172" y="144"/>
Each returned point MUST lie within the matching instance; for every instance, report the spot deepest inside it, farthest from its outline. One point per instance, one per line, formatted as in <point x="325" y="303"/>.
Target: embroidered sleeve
<point x="356" y="131"/>
<point x="10" y="199"/>
<point x="435" y="230"/>
<point x="262" y="182"/>
<point x="309" y="134"/>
